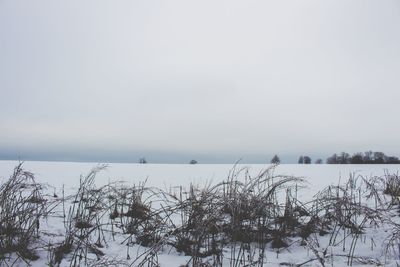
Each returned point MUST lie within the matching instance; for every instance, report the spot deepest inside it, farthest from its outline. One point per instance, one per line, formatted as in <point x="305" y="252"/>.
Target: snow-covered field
<point x="166" y="175"/>
<point x="369" y="247"/>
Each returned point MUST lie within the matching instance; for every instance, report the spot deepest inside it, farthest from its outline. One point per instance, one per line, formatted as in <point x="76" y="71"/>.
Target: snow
<point x="166" y="176"/>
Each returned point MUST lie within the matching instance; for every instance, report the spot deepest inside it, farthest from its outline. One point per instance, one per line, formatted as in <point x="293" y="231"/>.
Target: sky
<point x="212" y="80"/>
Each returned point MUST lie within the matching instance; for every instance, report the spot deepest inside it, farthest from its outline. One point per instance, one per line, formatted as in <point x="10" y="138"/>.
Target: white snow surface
<point x="166" y="176"/>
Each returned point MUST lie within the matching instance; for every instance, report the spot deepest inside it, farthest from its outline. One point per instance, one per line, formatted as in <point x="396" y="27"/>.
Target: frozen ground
<point x="166" y="175"/>
<point x="170" y="176"/>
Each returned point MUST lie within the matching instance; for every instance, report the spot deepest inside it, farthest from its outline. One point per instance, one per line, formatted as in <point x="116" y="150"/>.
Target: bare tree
<point x="307" y="160"/>
<point x="275" y="160"/>
<point x="319" y="161"/>
<point x="142" y="160"/>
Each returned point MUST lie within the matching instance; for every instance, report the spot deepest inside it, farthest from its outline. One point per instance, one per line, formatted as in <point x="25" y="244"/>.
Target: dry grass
<point x="22" y="205"/>
<point x="243" y="215"/>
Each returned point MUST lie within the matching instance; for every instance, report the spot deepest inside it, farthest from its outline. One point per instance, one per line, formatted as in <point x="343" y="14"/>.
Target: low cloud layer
<point x="217" y="79"/>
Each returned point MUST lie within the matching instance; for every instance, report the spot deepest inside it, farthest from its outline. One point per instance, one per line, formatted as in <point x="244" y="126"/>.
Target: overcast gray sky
<point x="213" y="79"/>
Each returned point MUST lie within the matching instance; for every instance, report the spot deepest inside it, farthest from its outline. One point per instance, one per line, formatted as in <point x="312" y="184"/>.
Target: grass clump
<point x="84" y="236"/>
<point x="233" y="223"/>
<point x="22" y="206"/>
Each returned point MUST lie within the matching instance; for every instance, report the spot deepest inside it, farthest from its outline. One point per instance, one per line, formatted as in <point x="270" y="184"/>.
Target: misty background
<point x="211" y="80"/>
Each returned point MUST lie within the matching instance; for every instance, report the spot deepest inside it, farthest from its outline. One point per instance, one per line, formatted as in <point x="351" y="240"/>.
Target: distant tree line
<point x="304" y="160"/>
<point x="368" y="157"/>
